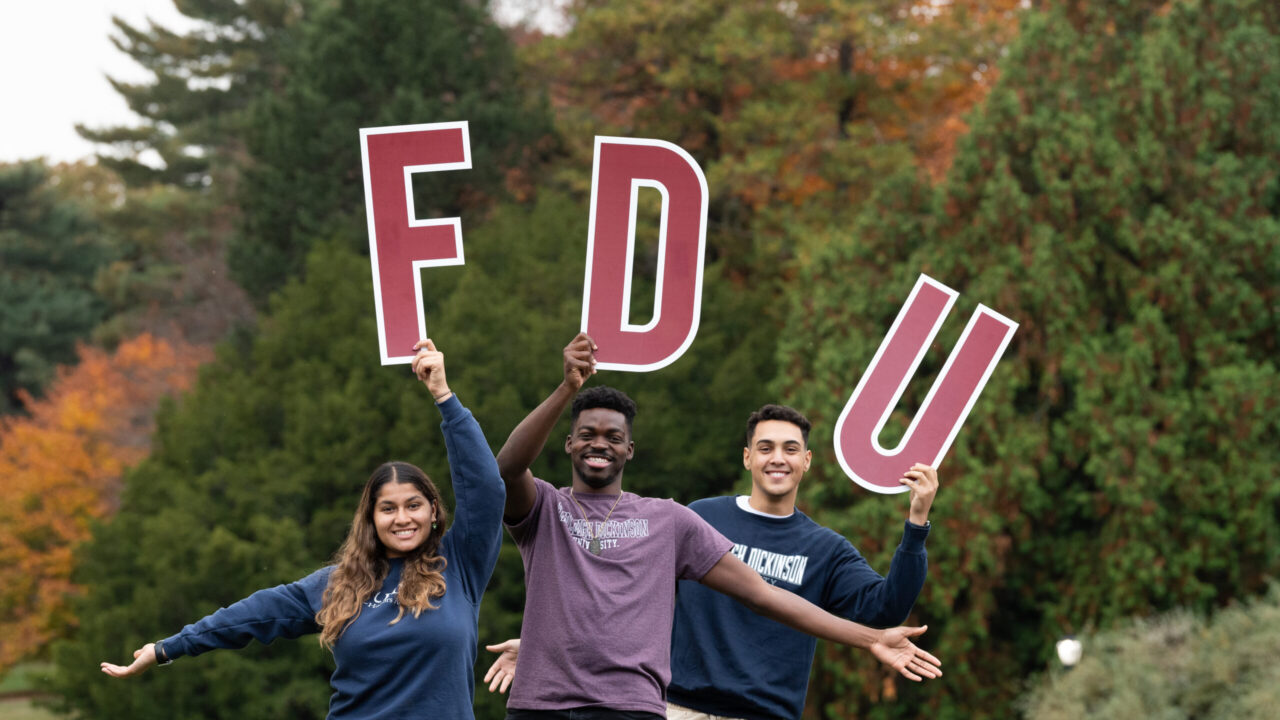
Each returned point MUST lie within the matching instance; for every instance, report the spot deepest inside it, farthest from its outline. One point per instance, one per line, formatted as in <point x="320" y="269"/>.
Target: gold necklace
<point x="594" y="545"/>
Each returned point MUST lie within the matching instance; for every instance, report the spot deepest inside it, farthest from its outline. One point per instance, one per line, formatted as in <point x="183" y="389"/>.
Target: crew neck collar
<point x="744" y="504"/>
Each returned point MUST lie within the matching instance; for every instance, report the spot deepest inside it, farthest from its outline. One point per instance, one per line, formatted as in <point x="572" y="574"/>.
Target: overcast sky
<point x="55" y="56"/>
<point x="54" y="59"/>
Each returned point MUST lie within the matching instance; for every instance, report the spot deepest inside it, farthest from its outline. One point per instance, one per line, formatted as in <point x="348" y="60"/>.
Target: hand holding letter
<point x="428" y="365"/>
<point x="579" y="361"/>
<point x="923" y="481"/>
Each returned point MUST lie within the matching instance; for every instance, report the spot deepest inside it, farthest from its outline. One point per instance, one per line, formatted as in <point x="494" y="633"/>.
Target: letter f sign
<point x="400" y="244"/>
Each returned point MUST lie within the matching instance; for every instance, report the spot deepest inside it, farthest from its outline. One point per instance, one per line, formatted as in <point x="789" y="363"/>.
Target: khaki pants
<point x="676" y="712"/>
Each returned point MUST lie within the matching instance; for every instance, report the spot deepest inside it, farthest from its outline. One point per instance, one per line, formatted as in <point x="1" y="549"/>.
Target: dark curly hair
<point x="603" y="396"/>
<point x="778" y="412"/>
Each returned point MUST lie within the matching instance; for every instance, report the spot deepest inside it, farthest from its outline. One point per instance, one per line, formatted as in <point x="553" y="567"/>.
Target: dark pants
<point x="587" y="713"/>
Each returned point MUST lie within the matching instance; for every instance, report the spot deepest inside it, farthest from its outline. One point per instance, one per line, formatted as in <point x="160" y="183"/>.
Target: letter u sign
<point x="945" y="407"/>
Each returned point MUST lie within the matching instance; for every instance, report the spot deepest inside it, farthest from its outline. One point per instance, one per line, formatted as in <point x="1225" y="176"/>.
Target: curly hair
<point x="603" y="396"/>
<point x="362" y="562"/>
<point x="778" y="412"/>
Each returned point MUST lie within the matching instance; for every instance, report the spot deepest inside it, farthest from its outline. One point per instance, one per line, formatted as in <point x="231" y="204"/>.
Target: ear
<point x="808" y="458"/>
<point x="567" y="438"/>
<point x="746" y="458"/>
<point x="631" y="449"/>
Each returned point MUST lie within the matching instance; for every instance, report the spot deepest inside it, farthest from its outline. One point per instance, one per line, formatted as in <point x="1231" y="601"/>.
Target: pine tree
<point x="50" y="252"/>
<point x="367" y="63"/>
<point x="1118" y="196"/>
<point x="193" y="108"/>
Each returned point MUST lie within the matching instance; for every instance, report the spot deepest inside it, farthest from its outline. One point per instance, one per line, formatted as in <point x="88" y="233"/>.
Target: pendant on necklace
<point x="594" y="547"/>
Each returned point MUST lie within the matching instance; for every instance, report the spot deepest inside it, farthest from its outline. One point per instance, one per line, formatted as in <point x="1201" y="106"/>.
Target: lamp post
<point x="1069" y="650"/>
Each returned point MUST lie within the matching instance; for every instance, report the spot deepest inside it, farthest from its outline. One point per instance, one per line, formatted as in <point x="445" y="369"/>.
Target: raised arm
<point x="476" y="532"/>
<point x="892" y="647"/>
<point x="859" y="593"/>
<point x="529" y="437"/>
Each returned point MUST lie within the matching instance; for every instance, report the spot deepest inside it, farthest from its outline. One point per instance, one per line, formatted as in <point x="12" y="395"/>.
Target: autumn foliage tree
<point x="784" y="103"/>
<point x="1117" y="196"/>
<point x="62" y="466"/>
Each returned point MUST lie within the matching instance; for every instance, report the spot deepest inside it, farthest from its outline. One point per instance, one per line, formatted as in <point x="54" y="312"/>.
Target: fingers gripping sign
<point x="428" y="365"/>
<point x="923" y="482"/>
<point x="579" y="361"/>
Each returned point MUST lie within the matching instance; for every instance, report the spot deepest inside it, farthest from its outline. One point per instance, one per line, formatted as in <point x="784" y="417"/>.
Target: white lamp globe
<point x="1069" y="650"/>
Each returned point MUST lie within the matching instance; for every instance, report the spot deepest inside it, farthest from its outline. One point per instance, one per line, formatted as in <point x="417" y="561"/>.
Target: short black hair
<point x="603" y="396"/>
<point x="778" y="412"/>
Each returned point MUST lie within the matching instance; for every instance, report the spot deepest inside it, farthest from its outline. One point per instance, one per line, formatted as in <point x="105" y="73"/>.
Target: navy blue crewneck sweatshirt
<point x="419" y="667"/>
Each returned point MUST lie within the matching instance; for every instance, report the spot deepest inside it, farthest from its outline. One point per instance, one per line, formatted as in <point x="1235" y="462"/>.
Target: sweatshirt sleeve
<point x="859" y="593"/>
<point x="475" y="536"/>
<point x="286" y="611"/>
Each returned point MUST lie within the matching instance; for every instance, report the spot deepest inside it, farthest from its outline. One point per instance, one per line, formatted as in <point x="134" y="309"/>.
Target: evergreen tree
<point x="50" y="252"/>
<point x="193" y="108"/>
<point x="1119" y="197"/>
<point x="366" y="63"/>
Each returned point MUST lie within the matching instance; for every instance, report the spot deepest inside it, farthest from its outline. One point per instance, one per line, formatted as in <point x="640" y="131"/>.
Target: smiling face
<point x="402" y="515"/>
<point x="599" y="446"/>
<point x="777" y="458"/>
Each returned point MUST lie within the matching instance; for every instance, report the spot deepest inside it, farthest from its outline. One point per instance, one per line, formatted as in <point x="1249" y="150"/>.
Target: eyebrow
<point x="601" y="428"/>
<point x="411" y="499"/>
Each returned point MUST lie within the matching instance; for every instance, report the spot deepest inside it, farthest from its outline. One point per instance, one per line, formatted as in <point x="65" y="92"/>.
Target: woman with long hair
<point x="399" y="606"/>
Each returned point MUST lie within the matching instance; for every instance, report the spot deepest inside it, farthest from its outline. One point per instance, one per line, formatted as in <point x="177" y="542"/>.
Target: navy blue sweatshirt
<point x="727" y="660"/>
<point x="420" y="667"/>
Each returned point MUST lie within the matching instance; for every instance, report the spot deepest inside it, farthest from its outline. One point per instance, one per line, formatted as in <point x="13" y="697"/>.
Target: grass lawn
<point x="24" y="710"/>
<point x="21" y="679"/>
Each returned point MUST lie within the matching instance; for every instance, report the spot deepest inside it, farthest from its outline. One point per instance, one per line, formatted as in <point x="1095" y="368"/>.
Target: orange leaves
<point x="60" y="469"/>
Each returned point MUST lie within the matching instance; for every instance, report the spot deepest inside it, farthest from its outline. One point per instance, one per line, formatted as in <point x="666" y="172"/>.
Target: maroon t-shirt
<point x="597" y="628"/>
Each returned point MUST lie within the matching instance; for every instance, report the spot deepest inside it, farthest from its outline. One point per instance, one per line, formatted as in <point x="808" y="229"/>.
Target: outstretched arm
<point x="284" y="611"/>
<point x="529" y="437"/>
<point x="892" y="647"/>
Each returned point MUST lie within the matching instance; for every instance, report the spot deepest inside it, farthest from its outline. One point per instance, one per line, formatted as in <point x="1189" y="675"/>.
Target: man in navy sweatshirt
<point x="726" y="661"/>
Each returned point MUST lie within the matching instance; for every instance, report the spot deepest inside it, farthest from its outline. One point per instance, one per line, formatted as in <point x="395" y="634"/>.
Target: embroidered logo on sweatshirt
<point x="382" y="598"/>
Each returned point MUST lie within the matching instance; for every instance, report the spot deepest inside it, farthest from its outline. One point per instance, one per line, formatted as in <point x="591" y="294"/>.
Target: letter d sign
<point x="622" y="167"/>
